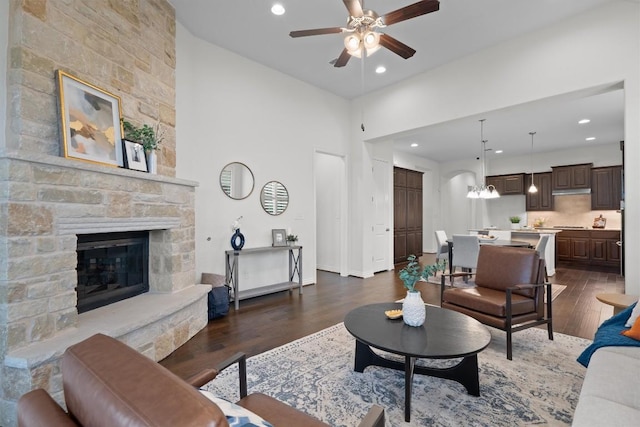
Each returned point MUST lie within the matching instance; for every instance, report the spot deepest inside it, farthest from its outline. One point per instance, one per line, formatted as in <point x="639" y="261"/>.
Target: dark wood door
<point x="407" y="190"/>
<point x="400" y="209"/>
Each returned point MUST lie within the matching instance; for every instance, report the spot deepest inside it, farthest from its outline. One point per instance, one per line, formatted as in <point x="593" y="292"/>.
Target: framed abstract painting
<point x="89" y="121"/>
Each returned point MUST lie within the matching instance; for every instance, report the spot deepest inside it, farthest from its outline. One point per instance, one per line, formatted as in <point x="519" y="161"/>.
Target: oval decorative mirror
<point x="274" y="198"/>
<point x="236" y="180"/>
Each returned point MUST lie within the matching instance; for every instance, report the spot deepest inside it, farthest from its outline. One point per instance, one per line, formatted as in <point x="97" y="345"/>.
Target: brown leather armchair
<point x="509" y="292"/>
<point x="108" y="384"/>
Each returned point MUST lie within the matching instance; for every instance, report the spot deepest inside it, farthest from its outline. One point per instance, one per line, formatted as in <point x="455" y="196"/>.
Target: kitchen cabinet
<point x="542" y="200"/>
<point x="571" y="177"/>
<point x="597" y="247"/>
<point x="507" y="185"/>
<point x="606" y="188"/>
<point x="407" y="214"/>
<point x="604" y="247"/>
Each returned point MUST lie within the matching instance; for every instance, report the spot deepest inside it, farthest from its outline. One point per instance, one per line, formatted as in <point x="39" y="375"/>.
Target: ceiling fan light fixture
<point x="352" y="43"/>
<point x="371" y="40"/>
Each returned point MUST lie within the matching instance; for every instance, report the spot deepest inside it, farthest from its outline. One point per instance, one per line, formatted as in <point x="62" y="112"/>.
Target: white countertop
<point x="522" y="230"/>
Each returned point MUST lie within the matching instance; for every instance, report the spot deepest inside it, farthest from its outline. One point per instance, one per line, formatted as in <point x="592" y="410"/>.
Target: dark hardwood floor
<point x="269" y="321"/>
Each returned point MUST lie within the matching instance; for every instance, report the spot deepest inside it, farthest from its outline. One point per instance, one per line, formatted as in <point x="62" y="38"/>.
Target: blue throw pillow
<point x="236" y="415"/>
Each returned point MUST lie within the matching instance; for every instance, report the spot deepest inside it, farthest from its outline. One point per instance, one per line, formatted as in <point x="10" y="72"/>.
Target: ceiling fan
<point x="361" y="30"/>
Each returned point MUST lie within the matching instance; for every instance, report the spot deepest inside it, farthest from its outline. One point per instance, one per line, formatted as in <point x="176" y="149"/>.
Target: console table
<point x="232" y="259"/>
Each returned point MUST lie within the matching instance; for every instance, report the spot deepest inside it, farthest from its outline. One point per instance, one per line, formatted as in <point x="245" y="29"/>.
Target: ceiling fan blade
<point x="342" y="59"/>
<point x="396" y="46"/>
<point x="354" y="7"/>
<point x="315" y="32"/>
<point x="411" y="11"/>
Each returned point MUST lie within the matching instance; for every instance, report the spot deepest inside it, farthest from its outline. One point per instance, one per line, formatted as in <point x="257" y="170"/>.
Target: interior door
<point x="329" y="182"/>
<point x="381" y="207"/>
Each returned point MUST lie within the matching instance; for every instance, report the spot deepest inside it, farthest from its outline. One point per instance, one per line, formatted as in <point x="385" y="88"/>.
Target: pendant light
<point x="533" y="188"/>
<point x="483" y="191"/>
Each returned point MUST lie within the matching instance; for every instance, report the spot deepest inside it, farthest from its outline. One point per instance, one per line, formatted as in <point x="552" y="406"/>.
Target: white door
<point x="381" y="232"/>
<point x="329" y="181"/>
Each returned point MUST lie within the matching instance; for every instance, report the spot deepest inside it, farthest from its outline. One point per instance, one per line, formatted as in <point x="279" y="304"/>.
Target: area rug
<point x="540" y="386"/>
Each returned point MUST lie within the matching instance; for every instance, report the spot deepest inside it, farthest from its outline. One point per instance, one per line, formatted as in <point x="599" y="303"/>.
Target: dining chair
<point x="442" y="250"/>
<point x="465" y="252"/>
<point x="540" y="249"/>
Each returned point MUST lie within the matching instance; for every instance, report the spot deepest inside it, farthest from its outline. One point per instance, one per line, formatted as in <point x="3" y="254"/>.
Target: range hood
<point x="571" y="191"/>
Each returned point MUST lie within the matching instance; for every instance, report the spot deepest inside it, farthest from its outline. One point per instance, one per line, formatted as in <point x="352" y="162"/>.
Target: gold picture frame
<point x="90" y="122"/>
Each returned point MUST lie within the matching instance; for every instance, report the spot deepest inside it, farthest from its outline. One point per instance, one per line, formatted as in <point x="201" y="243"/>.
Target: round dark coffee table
<point x="446" y="334"/>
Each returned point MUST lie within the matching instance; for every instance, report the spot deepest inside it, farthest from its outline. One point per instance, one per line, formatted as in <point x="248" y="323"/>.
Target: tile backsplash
<point x="575" y="210"/>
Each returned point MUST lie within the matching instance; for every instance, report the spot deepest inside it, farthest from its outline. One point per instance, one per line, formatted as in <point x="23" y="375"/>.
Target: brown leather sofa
<point x="509" y="292"/>
<point x="108" y="384"/>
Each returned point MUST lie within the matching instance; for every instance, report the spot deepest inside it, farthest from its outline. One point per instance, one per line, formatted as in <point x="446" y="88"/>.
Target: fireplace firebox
<point x="111" y="267"/>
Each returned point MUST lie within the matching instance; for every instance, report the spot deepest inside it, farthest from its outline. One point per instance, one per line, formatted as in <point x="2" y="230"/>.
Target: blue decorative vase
<point x="237" y="240"/>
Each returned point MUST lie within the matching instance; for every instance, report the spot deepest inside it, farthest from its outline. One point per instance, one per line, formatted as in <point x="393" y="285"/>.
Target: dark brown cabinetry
<point x="571" y="177"/>
<point x="542" y="200"/>
<point x="507" y="185"/>
<point x="407" y="214"/>
<point x="589" y="246"/>
<point x="606" y="188"/>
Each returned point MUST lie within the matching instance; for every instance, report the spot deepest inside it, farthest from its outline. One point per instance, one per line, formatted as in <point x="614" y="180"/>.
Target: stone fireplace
<point x="58" y="201"/>
<point x="46" y="201"/>
<point x="111" y="267"/>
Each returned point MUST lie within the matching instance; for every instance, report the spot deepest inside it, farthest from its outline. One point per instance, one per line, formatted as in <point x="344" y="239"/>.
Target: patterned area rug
<point x="315" y="374"/>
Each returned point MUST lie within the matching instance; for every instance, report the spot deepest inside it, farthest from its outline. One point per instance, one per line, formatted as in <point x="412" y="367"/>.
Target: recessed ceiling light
<point x="591" y="138"/>
<point x="498" y="151"/>
<point x="414" y="144"/>
<point x="583" y="121"/>
<point x="277" y="9"/>
<point x="381" y="69"/>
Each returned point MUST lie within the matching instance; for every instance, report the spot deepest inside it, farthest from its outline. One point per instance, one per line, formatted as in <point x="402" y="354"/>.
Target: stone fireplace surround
<point x="49" y="201"/>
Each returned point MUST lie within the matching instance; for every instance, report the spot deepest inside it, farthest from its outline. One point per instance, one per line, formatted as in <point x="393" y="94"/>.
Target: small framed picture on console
<point x="279" y="237"/>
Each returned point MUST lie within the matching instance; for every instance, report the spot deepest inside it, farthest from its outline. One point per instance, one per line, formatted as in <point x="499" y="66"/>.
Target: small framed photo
<point x="279" y="237"/>
<point x="89" y="121"/>
<point x="134" y="156"/>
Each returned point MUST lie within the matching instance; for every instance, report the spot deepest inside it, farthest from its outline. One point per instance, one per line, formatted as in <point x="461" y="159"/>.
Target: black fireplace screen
<point x="111" y="267"/>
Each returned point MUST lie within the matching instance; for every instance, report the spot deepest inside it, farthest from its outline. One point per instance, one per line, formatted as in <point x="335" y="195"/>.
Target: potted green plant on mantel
<point x="149" y="137"/>
<point x="292" y="239"/>
<point x="515" y="222"/>
<point x="413" y="309"/>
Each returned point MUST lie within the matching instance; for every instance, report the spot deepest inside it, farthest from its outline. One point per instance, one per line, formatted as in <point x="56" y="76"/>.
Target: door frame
<point x="344" y="192"/>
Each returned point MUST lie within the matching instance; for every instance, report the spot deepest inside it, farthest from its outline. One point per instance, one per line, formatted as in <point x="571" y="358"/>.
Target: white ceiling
<point x="459" y="28"/>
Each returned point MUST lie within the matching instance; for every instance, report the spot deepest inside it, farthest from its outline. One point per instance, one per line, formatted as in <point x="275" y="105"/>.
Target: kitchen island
<point x="531" y="235"/>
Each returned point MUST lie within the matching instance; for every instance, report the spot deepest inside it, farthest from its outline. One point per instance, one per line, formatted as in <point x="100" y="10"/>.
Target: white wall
<point x="231" y="109"/>
<point x="601" y="46"/>
<point x="4" y="51"/>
